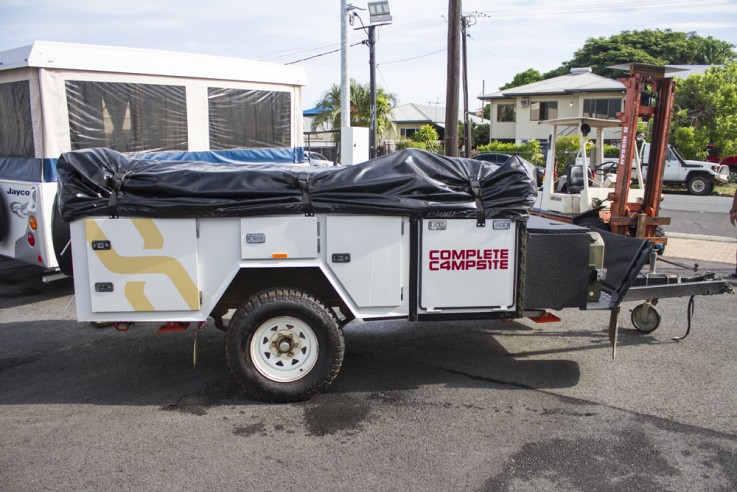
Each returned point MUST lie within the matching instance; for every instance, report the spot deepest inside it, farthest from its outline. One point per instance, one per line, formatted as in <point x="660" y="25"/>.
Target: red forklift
<point x="620" y="210"/>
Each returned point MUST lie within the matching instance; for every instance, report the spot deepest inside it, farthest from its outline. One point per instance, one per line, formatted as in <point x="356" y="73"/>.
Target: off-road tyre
<point x="699" y="184"/>
<point x="276" y="318"/>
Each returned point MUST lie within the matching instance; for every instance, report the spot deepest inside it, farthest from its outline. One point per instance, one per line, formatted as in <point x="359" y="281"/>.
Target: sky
<point x="507" y="37"/>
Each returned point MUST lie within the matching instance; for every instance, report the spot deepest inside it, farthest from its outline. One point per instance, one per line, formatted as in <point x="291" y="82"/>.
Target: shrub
<point x="529" y="150"/>
<point x="425" y="134"/>
<point x="611" y="150"/>
<point x="410" y="144"/>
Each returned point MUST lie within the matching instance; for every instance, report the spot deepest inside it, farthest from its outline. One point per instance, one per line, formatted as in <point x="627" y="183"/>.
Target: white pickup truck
<point x="299" y="252"/>
<point x="698" y="176"/>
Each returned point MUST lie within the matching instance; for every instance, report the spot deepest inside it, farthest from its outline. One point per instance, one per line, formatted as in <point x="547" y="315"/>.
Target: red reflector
<point x="40" y="260"/>
<point x="546" y="318"/>
<point x="31" y="239"/>
<point x="173" y="326"/>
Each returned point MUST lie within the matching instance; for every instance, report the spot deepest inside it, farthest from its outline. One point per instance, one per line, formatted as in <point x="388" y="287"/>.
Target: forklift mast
<point x="649" y="96"/>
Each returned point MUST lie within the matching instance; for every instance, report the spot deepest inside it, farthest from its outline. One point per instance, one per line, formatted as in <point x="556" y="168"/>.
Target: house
<point x="408" y="118"/>
<point x="517" y="112"/>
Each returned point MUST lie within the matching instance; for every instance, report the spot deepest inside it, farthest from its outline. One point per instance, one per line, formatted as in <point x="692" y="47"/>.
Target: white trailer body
<point x="156" y="270"/>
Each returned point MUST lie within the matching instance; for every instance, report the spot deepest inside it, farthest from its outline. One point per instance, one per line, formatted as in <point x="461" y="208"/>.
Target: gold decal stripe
<point x="164" y="265"/>
<point x="152" y="238"/>
<point x="135" y="295"/>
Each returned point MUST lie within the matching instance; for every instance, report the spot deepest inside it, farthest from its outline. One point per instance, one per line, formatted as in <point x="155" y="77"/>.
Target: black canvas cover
<point x="410" y="182"/>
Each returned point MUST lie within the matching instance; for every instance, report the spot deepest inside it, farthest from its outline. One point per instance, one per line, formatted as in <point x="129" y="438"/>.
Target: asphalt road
<point x="423" y="406"/>
<point x="700" y="215"/>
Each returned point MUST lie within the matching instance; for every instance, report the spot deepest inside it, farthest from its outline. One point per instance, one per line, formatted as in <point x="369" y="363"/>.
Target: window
<point x="543" y="110"/>
<point x="602" y="108"/>
<point x="127" y="117"/>
<point x="242" y="118"/>
<point x="16" y="130"/>
<point x="505" y="112"/>
<point x="407" y="132"/>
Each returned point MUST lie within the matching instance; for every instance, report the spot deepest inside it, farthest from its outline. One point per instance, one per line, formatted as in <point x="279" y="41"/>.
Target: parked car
<point x="317" y="159"/>
<point x="698" y="176"/>
<point x="497" y="158"/>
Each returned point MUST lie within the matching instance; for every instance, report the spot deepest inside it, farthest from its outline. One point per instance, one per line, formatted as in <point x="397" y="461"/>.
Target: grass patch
<point x="727" y="189"/>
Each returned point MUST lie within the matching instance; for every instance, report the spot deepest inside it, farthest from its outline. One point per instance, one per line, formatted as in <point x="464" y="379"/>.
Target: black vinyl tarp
<point x="99" y="182"/>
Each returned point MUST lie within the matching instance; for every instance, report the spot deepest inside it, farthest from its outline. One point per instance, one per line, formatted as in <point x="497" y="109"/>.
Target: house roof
<point x="579" y="81"/>
<point x="419" y="113"/>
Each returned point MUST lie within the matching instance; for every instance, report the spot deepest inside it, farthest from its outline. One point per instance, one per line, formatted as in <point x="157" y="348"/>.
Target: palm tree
<point x="360" y="101"/>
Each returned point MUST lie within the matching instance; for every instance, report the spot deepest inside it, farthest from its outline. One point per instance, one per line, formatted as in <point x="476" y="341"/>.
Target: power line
<point x="322" y="49"/>
<point x="320" y="54"/>
<point x="413" y="57"/>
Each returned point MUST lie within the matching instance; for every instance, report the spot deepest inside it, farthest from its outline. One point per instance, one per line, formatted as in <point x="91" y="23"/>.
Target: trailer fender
<point x="249" y="281"/>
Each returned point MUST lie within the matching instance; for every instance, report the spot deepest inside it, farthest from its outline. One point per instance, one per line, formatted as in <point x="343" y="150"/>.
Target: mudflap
<point x="624" y="258"/>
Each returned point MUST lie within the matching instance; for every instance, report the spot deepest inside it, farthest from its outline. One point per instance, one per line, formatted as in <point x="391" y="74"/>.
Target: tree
<point x="706" y="111"/>
<point x="654" y="46"/>
<point x="480" y="134"/>
<point x="523" y="78"/>
<point x="486" y="112"/>
<point x="360" y="101"/>
<point x="427" y="135"/>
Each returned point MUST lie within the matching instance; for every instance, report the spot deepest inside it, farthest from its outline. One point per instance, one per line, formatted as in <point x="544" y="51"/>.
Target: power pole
<point x="466" y="123"/>
<point x="345" y="90"/>
<point x="372" y="88"/>
<point x="452" y="85"/>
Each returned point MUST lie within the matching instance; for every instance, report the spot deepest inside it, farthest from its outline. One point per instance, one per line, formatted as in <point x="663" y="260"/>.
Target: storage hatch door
<point x="468" y="267"/>
<point x="365" y="253"/>
<point x="142" y="265"/>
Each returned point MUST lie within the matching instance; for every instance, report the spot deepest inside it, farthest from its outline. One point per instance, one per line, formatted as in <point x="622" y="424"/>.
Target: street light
<point x="379" y="12"/>
<point x="378" y="16"/>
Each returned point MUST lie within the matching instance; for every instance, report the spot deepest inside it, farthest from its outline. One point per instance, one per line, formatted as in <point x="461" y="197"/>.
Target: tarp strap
<point x="305" y="182"/>
<point x="476" y="192"/>
<point x="115" y="183"/>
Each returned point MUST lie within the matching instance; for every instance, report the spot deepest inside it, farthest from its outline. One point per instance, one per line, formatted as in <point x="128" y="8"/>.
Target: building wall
<point x="523" y="128"/>
<point x="568" y="107"/>
<point x="502" y="130"/>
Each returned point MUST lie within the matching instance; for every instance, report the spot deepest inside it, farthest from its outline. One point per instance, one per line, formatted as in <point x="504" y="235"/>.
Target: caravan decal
<point x="469" y="259"/>
<point x="145" y="265"/>
<point x="19" y="209"/>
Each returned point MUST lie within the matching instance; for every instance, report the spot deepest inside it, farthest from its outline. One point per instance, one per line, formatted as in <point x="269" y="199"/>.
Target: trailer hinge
<point x="401" y="293"/>
<point x="197" y="228"/>
<point x="402" y="228"/>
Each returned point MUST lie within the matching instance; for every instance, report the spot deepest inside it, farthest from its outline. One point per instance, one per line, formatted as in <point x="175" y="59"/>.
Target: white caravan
<point x="58" y="97"/>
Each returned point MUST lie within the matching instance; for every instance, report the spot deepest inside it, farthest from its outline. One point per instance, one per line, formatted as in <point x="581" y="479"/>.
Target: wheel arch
<point x="250" y="281"/>
<point x="700" y="173"/>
